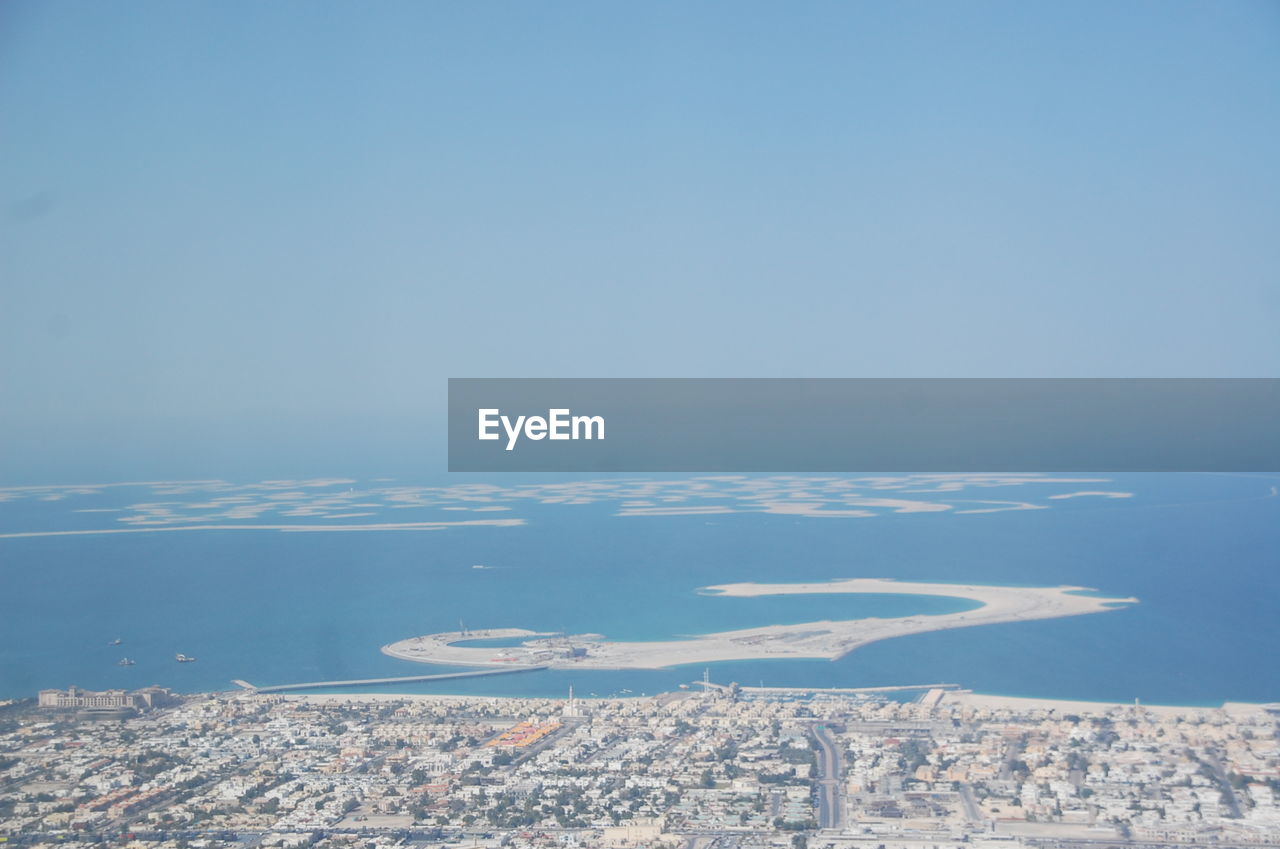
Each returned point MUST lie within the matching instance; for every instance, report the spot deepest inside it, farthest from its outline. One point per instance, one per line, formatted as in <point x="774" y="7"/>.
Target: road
<point x="971" y="809"/>
<point x="830" y="797"/>
<point x="1224" y="783"/>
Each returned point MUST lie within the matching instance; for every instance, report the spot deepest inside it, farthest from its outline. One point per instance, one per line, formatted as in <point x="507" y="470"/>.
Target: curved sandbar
<point x="825" y="639"/>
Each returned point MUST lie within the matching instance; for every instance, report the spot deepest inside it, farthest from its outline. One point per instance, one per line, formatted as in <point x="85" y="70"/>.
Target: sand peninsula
<point x="825" y="639"/>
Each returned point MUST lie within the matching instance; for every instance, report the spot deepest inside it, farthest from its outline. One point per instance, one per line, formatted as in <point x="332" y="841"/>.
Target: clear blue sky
<point x="272" y="230"/>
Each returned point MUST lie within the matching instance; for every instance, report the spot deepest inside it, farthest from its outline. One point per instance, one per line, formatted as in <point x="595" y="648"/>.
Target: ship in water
<point x="125" y="661"/>
<point x="117" y="641"/>
<point x="182" y="658"/>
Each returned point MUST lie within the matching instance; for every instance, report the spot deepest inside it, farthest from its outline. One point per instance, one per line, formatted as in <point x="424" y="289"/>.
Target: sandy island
<point x="825" y="639"/>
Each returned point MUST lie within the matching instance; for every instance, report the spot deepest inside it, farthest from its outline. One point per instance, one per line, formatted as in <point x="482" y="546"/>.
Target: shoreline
<point x="984" y="701"/>
<point x="963" y="699"/>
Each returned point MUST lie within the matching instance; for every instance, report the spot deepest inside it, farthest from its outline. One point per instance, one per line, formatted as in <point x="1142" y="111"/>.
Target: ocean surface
<point x="1201" y="552"/>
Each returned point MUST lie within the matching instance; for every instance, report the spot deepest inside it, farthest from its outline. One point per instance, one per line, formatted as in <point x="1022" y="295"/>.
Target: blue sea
<point x="1201" y="552"/>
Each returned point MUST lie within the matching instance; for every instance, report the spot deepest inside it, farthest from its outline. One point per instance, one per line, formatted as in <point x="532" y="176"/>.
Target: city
<point x="709" y="767"/>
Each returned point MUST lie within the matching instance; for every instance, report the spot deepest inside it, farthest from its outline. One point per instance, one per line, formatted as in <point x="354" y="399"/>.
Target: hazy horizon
<point x="262" y="236"/>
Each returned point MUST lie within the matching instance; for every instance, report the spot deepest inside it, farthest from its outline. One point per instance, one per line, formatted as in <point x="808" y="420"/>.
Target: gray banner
<point x="863" y="425"/>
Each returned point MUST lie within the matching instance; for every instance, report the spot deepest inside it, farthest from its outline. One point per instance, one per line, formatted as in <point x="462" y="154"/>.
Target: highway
<point x="971" y="809"/>
<point x="1228" y="792"/>
<point x="830" y="797"/>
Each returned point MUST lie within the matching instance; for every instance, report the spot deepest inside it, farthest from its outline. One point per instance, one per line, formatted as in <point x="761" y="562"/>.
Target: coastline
<point x="961" y="699"/>
<point x="1023" y="704"/>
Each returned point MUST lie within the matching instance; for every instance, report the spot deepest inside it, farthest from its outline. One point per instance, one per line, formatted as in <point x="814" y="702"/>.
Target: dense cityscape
<point x="709" y="766"/>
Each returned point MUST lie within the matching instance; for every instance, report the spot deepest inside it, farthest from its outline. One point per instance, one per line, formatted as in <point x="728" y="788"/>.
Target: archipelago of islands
<point x="826" y="639"/>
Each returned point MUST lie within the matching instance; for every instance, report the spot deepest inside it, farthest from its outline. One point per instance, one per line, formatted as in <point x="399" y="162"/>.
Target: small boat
<point x="117" y="641"/>
<point x="124" y="661"/>
<point x="182" y="658"/>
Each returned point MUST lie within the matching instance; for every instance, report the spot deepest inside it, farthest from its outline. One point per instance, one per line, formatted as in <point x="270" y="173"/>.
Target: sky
<point x="252" y="239"/>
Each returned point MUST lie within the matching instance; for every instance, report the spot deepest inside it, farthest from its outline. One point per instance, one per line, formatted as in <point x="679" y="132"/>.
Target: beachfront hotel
<point x="143" y="699"/>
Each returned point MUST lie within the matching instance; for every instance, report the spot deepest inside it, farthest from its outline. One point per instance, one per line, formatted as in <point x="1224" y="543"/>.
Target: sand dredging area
<point x="822" y="639"/>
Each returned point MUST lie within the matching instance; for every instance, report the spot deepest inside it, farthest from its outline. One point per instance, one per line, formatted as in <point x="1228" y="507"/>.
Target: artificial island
<point x="827" y="639"/>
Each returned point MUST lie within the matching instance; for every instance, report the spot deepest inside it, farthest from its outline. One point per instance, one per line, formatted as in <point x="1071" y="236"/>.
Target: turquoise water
<point x="1201" y="552"/>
